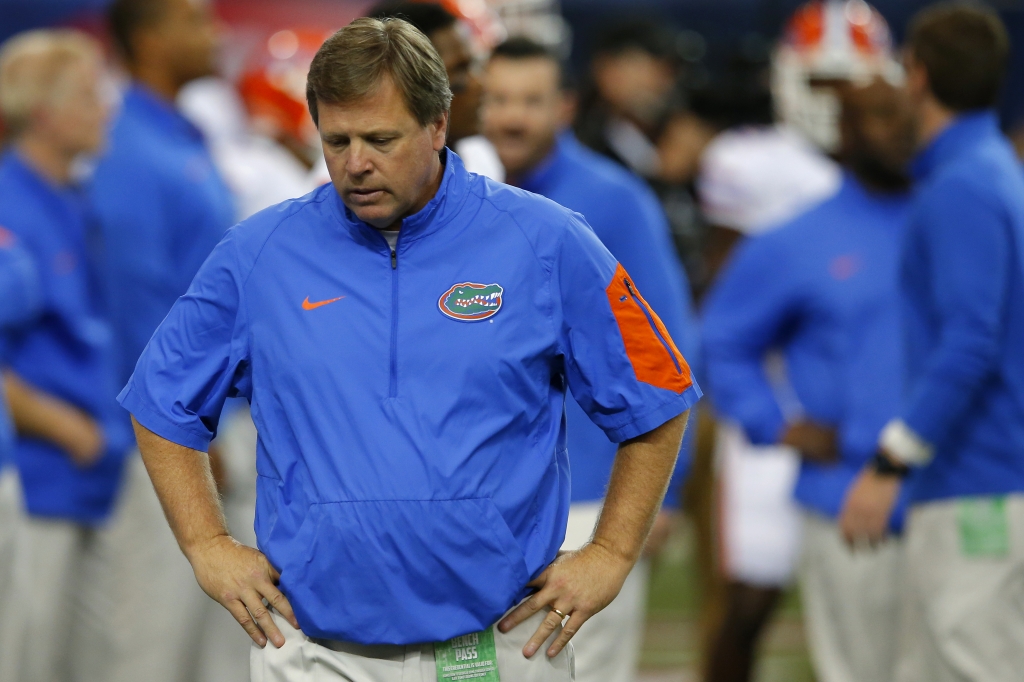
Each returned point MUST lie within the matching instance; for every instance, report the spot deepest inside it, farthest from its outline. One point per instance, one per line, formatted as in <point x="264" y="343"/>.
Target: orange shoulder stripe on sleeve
<point x="652" y="357"/>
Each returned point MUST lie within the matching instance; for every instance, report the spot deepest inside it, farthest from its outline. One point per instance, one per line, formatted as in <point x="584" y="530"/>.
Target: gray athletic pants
<point x="850" y="604"/>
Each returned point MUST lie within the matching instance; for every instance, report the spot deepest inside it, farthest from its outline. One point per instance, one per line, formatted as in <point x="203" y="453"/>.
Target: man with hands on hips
<point x="405" y="337"/>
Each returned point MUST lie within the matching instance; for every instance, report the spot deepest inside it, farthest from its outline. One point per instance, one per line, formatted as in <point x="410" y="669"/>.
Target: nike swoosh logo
<point x="306" y="305"/>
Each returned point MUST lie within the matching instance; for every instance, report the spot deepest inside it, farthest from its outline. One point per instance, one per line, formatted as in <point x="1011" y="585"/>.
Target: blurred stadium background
<point x="709" y="31"/>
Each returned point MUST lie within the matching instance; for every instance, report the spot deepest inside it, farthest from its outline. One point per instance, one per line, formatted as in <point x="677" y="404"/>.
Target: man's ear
<point x="439" y="131"/>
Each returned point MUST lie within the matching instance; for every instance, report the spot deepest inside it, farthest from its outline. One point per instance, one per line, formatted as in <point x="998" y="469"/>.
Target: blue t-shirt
<point x="963" y="310"/>
<point x="413" y="474"/>
<point x="627" y="218"/>
<point x="162" y="207"/>
<point x="67" y="350"/>
<point x="20" y="298"/>
<point x="823" y="290"/>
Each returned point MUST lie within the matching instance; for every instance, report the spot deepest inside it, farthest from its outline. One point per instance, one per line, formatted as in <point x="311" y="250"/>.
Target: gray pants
<point x="962" y="610"/>
<point x="302" y="659"/>
<point x="114" y="603"/>
<point x="850" y="604"/>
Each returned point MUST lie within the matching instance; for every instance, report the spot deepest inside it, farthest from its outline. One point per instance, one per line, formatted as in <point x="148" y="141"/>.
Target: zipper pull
<point x="394" y="259"/>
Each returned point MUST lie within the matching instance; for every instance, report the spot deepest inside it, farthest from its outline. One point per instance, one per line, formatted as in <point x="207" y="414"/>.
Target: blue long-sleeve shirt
<point x="822" y="290"/>
<point x="627" y="218"/>
<point x="20" y="298"/>
<point x="162" y="207"/>
<point x="963" y="309"/>
<point x="67" y="350"/>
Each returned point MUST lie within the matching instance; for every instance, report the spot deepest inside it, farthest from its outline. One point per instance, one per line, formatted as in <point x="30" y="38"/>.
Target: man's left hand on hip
<point x="577" y="585"/>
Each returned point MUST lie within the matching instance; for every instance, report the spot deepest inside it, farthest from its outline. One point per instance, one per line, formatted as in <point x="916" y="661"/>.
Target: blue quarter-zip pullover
<point x="413" y="474"/>
<point x="162" y="207"/>
<point x="67" y="352"/>
<point x="963" y="309"/>
<point x="823" y="290"/>
<point x="628" y="220"/>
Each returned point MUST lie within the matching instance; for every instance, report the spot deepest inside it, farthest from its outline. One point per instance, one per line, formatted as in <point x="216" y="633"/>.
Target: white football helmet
<point x="827" y="42"/>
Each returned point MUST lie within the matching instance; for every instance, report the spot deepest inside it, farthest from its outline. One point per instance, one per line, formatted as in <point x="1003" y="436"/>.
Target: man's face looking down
<point x="382" y="162"/>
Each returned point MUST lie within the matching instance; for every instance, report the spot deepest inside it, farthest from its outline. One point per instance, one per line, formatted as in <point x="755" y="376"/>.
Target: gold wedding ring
<point x="561" y="615"/>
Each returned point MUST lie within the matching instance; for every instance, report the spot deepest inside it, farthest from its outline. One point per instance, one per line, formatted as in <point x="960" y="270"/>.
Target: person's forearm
<point x="640" y="476"/>
<point x="185" y="486"/>
<point x="39" y="415"/>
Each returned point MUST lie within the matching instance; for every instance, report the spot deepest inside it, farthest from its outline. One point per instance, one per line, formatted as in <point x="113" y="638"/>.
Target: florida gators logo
<point x="470" y="302"/>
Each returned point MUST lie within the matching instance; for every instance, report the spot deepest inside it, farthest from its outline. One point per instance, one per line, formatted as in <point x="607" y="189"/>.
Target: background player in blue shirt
<point x="162" y="206"/>
<point x="961" y="421"/>
<point x="161" y="202"/>
<point x="408" y="393"/>
<point x="525" y="113"/>
<point x="822" y="290"/>
<point x="71" y="440"/>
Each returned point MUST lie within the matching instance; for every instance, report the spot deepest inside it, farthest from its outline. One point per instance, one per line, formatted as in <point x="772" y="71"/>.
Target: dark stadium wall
<point x="723" y="24"/>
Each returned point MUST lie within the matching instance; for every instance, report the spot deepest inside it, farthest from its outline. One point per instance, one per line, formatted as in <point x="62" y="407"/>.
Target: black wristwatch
<point x="884" y="466"/>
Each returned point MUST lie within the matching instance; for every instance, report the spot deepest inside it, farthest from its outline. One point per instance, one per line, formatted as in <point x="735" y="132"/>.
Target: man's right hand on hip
<point x="240" y="578"/>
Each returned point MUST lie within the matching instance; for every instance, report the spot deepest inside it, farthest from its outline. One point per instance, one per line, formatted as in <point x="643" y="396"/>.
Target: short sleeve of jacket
<point x="621" y="365"/>
<point x="197" y="357"/>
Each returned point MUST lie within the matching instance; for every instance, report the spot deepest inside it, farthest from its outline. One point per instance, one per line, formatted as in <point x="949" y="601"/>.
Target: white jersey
<point x="754" y="178"/>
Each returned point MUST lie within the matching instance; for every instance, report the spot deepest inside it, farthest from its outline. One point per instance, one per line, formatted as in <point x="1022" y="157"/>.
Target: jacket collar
<point x="438" y="212"/>
<point x="965" y="132"/>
